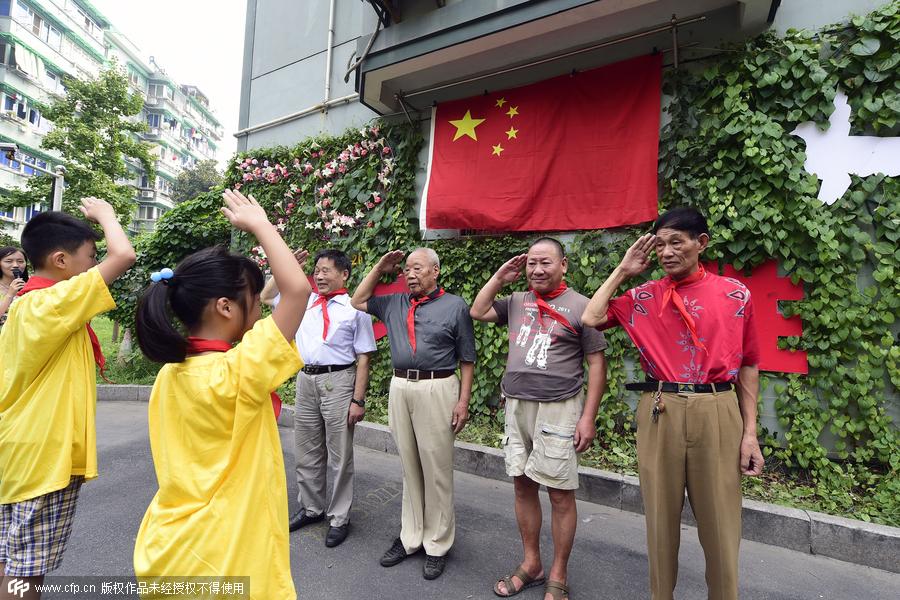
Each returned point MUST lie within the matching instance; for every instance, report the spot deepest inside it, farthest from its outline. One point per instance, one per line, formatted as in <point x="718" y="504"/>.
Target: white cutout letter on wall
<point x="834" y="155"/>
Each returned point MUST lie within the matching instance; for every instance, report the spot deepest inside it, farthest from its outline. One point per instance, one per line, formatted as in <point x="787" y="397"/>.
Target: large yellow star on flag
<point x="513" y="111"/>
<point x="512" y="133"/>
<point x="466" y="126"/>
<point x="497" y="150"/>
<point x="501" y="102"/>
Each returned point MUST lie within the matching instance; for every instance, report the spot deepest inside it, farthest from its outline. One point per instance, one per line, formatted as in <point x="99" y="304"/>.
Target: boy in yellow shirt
<point x="48" y="389"/>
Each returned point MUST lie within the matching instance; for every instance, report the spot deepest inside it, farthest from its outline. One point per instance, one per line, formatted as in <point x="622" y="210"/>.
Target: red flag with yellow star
<point x="569" y="153"/>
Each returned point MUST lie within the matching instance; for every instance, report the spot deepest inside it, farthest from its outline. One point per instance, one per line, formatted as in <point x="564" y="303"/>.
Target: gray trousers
<point x="323" y="443"/>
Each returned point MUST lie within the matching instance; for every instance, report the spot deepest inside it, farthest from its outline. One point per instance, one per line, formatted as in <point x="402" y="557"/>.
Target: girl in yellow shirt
<point x="221" y="508"/>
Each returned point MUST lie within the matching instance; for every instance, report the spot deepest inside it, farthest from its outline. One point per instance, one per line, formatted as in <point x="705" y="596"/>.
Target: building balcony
<point x="430" y="54"/>
<point x="71" y="65"/>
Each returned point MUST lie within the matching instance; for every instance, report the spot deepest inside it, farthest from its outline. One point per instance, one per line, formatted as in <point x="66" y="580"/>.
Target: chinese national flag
<point x="573" y="152"/>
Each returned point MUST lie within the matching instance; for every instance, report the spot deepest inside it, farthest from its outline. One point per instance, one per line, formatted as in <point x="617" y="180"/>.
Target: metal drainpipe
<point x="328" y="55"/>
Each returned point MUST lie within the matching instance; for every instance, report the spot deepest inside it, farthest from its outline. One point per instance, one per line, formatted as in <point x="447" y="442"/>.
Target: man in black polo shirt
<point x="430" y="333"/>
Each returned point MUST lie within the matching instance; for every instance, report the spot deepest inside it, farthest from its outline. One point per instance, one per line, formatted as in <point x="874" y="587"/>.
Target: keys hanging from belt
<point x="658" y="405"/>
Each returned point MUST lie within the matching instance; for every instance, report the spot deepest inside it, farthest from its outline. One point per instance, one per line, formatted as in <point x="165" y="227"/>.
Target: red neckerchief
<point x="323" y="302"/>
<point x="546" y="309"/>
<point x="39" y="283"/>
<point x="199" y="345"/>
<point x="411" y="315"/>
<point x="671" y="294"/>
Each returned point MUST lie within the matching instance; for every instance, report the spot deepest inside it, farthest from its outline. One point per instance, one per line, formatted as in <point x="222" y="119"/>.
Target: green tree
<point x="193" y="182"/>
<point x="93" y="132"/>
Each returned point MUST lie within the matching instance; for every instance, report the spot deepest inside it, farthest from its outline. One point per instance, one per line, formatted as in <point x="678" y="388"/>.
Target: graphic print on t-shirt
<point x="543" y="338"/>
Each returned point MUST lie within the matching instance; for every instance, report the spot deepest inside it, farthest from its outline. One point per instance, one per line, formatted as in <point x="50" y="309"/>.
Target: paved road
<point x="608" y="561"/>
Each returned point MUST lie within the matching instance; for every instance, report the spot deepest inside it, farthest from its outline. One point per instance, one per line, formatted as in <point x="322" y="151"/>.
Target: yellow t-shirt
<point x="221" y="509"/>
<point x="48" y="390"/>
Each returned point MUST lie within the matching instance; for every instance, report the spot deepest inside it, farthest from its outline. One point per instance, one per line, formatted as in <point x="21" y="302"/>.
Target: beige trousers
<point x="419" y="415"/>
<point x="695" y="444"/>
<point x="323" y="443"/>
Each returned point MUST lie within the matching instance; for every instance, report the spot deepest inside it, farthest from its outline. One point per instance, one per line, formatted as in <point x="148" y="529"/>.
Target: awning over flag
<point x="569" y="153"/>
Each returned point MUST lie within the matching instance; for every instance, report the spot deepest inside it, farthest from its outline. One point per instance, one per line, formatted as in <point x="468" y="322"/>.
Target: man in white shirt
<point x="334" y="341"/>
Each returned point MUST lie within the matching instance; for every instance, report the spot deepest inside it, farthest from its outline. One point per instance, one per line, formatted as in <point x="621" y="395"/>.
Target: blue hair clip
<point x="162" y="275"/>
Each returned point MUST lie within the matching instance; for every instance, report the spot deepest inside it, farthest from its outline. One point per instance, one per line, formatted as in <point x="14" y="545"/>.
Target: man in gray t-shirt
<point x="549" y="418"/>
<point x="431" y="334"/>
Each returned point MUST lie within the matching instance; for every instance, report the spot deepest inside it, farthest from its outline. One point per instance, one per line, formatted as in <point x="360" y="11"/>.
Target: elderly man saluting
<point x="430" y="333"/>
<point x="548" y="417"/>
<point x="697" y="342"/>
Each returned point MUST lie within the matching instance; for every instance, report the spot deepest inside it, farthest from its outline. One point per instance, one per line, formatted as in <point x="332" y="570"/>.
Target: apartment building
<point x="41" y="41"/>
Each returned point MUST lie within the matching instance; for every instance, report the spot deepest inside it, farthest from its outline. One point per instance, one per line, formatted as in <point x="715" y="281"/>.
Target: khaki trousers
<point x="323" y="443"/>
<point x="419" y="415"/>
<point x="695" y="444"/>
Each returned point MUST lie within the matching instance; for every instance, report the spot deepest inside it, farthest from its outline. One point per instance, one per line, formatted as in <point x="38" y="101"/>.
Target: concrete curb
<point x="806" y="531"/>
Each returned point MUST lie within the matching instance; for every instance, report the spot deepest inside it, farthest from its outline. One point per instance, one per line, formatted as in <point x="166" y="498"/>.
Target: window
<point x="9" y="103"/>
<point x="9" y="214"/>
<point x="34" y="117"/>
<point x="3" y="51"/>
<point x="20" y="110"/>
<point x="4" y="7"/>
<point x="32" y="210"/>
<point x="146" y="212"/>
<point x="29" y="165"/>
<point x="145" y="181"/>
<point x="153" y="119"/>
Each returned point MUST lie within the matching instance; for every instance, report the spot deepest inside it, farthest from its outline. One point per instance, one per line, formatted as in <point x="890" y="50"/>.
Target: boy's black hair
<point x="340" y="259"/>
<point x="49" y="232"/>
<point x="552" y="241"/>
<point x="203" y="276"/>
<point x="683" y="218"/>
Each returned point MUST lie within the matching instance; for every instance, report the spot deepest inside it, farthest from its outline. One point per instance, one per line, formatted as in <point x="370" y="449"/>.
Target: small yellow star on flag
<point x="512" y="133"/>
<point x="466" y="126"/>
<point x="497" y="150"/>
<point x="513" y="111"/>
<point x="501" y="102"/>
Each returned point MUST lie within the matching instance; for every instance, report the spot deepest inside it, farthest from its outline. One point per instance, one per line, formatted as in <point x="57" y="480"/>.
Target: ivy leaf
<point x="867" y="46"/>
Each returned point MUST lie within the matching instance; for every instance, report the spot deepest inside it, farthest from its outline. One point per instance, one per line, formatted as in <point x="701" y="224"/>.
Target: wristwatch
<point x="359" y="403"/>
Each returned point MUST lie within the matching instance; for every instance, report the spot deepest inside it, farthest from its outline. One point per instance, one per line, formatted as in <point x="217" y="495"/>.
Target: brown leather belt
<point x="418" y="374"/>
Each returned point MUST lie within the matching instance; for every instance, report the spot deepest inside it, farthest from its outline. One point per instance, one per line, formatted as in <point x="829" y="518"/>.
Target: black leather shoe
<point x="395" y="555"/>
<point x="301" y="519"/>
<point x="434" y="566"/>
<point x="336" y="535"/>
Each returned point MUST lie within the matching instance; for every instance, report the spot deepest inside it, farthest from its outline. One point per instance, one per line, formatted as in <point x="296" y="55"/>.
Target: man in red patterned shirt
<point x="695" y="334"/>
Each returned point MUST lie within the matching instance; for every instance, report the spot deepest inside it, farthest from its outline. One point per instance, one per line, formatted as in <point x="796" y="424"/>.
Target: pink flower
<point x="290" y="205"/>
<point x="369" y="205"/>
<point x="326" y="203"/>
<point x="237" y="186"/>
<point x="375" y="131"/>
<point x="254" y="162"/>
<point x="370" y="224"/>
<point x="386" y="150"/>
<point x="363" y="152"/>
<point x="377" y="200"/>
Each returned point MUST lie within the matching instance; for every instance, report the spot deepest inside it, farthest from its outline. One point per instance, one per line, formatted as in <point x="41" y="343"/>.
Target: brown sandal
<point x="526" y="579"/>
<point x="557" y="589"/>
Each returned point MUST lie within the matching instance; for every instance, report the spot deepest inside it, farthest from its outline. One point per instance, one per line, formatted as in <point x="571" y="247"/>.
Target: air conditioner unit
<point x="154" y="131"/>
<point x="147" y="194"/>
<point x="151" y="101"/>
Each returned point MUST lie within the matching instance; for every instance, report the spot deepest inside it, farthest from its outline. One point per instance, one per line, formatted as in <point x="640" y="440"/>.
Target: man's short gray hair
<point x="430" y="254"/>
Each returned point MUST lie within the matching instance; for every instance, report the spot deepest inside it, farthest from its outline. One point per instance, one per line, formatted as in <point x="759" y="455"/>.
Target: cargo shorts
<point x="539" y="440"/>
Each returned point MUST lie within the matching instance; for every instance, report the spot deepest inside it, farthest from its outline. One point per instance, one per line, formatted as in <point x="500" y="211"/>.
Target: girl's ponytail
<point x="159" y="339"/>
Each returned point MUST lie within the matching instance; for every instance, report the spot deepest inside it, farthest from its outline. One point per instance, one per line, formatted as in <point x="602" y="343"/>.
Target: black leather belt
<point x="679" y="388"/>
<point x="319" y="369"/>
<point x="417" y="374"/>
